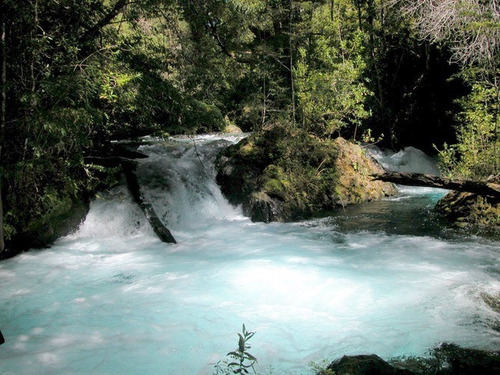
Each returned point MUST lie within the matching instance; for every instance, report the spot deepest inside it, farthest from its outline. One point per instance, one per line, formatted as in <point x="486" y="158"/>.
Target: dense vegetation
<point x="77" y="74"/>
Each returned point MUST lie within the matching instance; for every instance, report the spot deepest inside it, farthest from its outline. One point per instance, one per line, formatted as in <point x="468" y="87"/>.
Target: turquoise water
<point x="384" y="277"/>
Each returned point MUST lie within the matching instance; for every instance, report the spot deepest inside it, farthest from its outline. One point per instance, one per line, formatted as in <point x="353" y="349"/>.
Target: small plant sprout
<point x="244" y="359"/>
<point x="240" y="359"/>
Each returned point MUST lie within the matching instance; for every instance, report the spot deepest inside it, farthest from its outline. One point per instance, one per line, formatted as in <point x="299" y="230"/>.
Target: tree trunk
<point x="105" y="20"/>
<point x="485" y="188"/>
<point x="2" y="244"/>
<point x="158" y="227"/>
<point x="3" y="115"/>
<point x="3" y="83"/>
<point x="292" y="78"/>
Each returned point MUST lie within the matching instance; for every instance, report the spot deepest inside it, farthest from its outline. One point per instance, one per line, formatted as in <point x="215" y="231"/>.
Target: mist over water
<point x="384" y="277"/>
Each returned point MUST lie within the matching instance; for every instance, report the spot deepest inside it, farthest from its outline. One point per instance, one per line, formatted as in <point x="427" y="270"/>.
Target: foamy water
<point x="113" y="299"/>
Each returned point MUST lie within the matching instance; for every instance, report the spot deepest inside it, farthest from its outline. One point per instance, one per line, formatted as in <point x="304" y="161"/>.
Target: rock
<point x="354" y="167"/>
<point x="470" y="211"/>
<point x="64" y="218"/>
<point x="364" y="365"/>
<point x="456" y="360"/>
<point x="284" y="175"/>
<point x="446" y="359"/>
<point x="232" y="129"/>
<point x="261" y="207"/>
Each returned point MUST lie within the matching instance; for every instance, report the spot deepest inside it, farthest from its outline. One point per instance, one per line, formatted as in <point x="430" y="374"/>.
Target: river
<point x="385" y="277"/>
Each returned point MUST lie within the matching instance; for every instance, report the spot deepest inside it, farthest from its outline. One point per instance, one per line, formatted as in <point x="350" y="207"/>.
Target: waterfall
<point x="178" y="178"/>
<point x="410" y="159"/>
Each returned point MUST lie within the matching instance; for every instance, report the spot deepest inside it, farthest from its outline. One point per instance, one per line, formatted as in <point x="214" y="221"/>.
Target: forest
<point x="76" y="75"/>
<point x="244" y="113"/>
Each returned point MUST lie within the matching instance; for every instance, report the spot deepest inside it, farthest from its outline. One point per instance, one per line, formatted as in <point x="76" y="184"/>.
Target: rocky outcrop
<point x="64" y="218"/>
<point x="231" y="129"/>
<point x="446" y="359"/>
<point x="471" y="211"/>
<point x="364" y="365"/>
<point x="283" y="175"/>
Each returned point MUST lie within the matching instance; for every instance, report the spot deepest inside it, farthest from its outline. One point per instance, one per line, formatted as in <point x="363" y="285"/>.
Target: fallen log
<point x="488" y="188"/>
<point x="128" y="167"/>
<point x="158" y="227"/>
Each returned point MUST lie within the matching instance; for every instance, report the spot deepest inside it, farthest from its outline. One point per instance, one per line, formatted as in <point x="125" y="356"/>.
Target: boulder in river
<point x="285" y="175"/>
<point x="445" y="359"/>
<point x="364" y="365"/>
<point x="471" y="211"/>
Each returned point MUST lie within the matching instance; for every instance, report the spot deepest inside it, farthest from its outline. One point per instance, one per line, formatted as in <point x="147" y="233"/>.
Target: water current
<point x="384" y="277"/>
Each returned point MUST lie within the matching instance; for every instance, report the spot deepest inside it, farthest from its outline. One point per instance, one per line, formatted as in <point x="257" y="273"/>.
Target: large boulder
<point x="471" y="211"/>
<point x="445" y="359"/>
<point x="284" y="175"/>
<point x="364" y="365"/>
<point x="63" y="218"/>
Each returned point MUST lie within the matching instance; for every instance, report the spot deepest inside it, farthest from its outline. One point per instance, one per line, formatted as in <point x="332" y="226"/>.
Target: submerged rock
<point x="283" y="175"/>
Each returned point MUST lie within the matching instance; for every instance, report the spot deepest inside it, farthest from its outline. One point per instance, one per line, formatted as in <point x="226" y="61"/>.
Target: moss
<point x="275" y="182"/>
<point x="470" y="211"/>
<point x="231" y="128"/>
<point x="305" y="175"/>
<point x="61" y="218"/>
<point x="246" y="149"/>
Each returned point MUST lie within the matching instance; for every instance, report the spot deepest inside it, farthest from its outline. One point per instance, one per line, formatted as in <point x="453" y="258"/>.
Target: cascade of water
<point x="178" y="178"/>
<point x="410" y="159"/>
<point x="113" y="299"/>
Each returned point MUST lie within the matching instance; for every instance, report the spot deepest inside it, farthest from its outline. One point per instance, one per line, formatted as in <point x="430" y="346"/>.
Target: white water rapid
<point x="383" y="277"/>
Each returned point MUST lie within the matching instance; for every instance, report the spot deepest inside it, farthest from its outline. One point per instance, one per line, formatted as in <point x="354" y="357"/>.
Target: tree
<point x="3" y="108"/>
<point x="49" y="111"/>
<point x="330" y="69"/>
<point x="471" y="29"/>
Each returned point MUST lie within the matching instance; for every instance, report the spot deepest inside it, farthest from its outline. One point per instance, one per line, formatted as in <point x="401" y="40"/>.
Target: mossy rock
<point x="285" y="175"/>
<point x="364" y="365"/>
<point x="231" y="129"/>
<point x="471" y="212"/>
<point x="355" y="167"/>
<point x="62" y="219"/>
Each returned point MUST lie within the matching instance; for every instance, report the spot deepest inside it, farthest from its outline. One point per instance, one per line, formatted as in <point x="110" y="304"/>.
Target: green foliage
<point x="476" y="155"/>
<point x="330" y="88"/>
<point x="321" y="368"/>
<point x="82" y="74"/>
<point x="240" y="360"/>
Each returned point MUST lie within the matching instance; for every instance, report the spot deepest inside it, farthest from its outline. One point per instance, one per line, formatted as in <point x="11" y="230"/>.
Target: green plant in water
<point x="240" y="359"/>
<point x="321" y="368"/>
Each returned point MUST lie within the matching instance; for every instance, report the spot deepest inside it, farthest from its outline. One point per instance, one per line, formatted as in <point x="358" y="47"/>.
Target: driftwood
<point x="158" y="227"/>
<point x="118" y="157"/>
<point x="128" y="166"/>
<point x="485" y="188"/>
